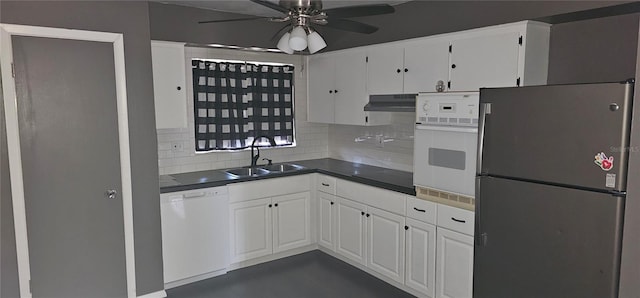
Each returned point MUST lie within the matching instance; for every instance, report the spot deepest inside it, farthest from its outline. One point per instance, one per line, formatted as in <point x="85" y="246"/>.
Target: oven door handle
<point x="485" y="109"/>
<point x="447" y="128"/>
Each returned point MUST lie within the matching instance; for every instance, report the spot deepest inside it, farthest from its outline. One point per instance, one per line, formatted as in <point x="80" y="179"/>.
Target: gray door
<point x="70" y="157"/>
<point x="546" y="241"/>
<point x="553" y="133"/>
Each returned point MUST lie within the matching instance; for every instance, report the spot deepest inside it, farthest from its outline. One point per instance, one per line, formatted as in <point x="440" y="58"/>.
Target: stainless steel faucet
<point x="254" y="158"/>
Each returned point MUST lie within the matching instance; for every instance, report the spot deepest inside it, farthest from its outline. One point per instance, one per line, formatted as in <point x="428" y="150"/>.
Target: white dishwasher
<point x="195" y="234"/>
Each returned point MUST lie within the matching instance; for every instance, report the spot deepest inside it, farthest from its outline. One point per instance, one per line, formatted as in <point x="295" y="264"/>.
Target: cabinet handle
<point x="335" y="91"/>
<point x="330" y="91"/>
<point x="331" y="203"/>
<point x="269" y="205"/>
<point x="275" y="205"/>
<point x="398" y="70"/>
<point x="406" y="69"/>
<point x="179" y="88"/>
<point x="458" y="220"/>
<point x="406" y="228"/>
<point x="453" y="66"/>
<point x="419" y="210"/>
<point x="362" y="212"/>
<point x="368" y="214"/>
<point x="324" y="184"/>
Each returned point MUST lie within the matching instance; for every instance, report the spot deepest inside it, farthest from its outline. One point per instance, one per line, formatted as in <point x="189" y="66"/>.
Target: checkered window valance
<point x="235" y="102"/>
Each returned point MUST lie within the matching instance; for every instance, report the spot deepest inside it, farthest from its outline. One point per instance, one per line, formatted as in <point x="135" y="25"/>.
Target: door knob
<point x="111" y="194"/>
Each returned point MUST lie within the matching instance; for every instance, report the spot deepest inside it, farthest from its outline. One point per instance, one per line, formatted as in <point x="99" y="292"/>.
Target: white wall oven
<point x="446" y="134"/>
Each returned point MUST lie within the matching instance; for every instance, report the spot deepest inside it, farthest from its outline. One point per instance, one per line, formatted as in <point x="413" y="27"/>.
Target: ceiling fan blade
<point x="352" y="26"/>
<point x="280" y="31"/>
<point x="271" y="5"/>
<point x="359" y="11"/>
<point x="233" y="20"/>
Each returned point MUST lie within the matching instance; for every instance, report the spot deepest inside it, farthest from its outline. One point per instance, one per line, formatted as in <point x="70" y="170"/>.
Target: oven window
<point x="445" y="158"/>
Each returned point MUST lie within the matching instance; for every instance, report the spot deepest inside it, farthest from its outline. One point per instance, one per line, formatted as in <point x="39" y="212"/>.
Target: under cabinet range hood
<point x="391" y="103"/>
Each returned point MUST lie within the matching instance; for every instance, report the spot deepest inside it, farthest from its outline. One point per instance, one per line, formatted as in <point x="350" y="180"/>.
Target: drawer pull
<point x="419" y="210"/>
<point x="458" y="220"/>
<point x="325" y="184"/>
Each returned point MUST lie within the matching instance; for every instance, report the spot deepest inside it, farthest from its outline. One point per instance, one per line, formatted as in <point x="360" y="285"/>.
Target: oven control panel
<point x="449" y="109"/>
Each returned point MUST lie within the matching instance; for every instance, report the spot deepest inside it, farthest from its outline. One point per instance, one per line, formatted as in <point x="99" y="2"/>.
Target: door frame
<point x="13" y="141"/>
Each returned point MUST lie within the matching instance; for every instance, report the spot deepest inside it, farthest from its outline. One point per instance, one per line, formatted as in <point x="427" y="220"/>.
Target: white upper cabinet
<point x="484" y="61"/>
<point x="321" y="100"/>
<point x="407" y="68"/>
<point x="169" y="89"/>
<point x="337" y="91"/>
<point x="500" y="56"/>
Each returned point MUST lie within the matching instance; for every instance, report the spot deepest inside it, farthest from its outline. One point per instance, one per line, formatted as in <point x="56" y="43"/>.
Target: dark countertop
<point x="395" y="180"/>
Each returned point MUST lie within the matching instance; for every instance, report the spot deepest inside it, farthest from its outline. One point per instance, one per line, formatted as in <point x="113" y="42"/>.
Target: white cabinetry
<point x="454" y="272"/>
<point x="408" y="67"/>
<point x="421" y="246"/>
<point x="351" y="226"/>
<point x="499" y="56"/>
<point x="169" y="90"/>
<point x="327" y="220"/>
<point x="454" y="265"/>
<point x="337" y="89"/>
<point x="386" y="243"/>
<point x="269" y="216"/>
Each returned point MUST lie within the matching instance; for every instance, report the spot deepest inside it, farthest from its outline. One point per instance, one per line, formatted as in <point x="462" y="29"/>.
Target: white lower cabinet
<point x="454" y="272"/>
<point x="326" y="220"/>
<point x="264" y="226"/>
<point x="421" y="257"/>
<point x="351" y="227"/>
<point x="386" y="243"/>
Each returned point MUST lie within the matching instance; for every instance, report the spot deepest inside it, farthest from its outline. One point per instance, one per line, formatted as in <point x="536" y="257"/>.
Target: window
<point x="236" y="102"/>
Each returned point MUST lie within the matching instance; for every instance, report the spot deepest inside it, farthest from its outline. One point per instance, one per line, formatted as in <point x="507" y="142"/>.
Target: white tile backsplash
<point x="311" y="138"/>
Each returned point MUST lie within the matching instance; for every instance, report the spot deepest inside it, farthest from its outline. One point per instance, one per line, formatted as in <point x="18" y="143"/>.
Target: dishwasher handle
<point x="193" y="195"/>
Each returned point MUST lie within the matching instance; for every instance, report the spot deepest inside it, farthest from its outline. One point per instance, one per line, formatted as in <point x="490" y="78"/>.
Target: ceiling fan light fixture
<point x="283" y="44"/>
<point x="298" y="39"/>
<point x="315" y="42"/>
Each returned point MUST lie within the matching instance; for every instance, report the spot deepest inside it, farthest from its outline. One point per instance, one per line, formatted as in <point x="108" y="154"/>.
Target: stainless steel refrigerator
<point x="550" y="190"/>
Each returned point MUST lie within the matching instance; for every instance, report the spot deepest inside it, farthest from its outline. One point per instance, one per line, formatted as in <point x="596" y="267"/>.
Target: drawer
<point x="421" y="210"/>
<point x="456" y="219"/>
<point x="326" y="184"/>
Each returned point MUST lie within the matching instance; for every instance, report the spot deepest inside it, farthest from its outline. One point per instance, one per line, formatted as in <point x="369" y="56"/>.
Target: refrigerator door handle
<point x="485" y="109"/>
<point x="481" y="236"/>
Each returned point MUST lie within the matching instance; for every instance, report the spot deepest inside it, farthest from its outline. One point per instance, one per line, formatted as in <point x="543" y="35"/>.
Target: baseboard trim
<point x="189" y="280"/>
<point x="158" y="294"/>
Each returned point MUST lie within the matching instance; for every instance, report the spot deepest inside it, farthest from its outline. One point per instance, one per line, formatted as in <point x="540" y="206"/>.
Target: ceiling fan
<point x="300" y="15"/>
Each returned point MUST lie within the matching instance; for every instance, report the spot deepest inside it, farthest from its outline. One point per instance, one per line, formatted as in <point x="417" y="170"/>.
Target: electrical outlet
<point x="177" y="147"/>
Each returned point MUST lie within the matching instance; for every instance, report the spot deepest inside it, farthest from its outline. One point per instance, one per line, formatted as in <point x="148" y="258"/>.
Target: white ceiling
<point x="250" y="8"/>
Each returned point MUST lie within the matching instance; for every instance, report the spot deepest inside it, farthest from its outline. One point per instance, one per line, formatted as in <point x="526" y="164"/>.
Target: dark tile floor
<point x="312" y="274"/>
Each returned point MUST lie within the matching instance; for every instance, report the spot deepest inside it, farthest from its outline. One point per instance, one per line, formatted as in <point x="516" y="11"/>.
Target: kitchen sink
<point x="247" y="171"/>
<point x="279" y="168"/>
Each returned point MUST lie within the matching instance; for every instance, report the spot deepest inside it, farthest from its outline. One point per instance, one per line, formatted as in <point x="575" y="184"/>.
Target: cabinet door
<point x="169" y="90"/>
<point x="250" y="224"/>
<point x="425" y="64"/>
<point x="386" y="243"/>
<point x="351" y="230"/>
<point x="484" y="61"/>
<point x="291" y="221"/>
<point x="326" y="218"/>
<point x="421" y="257"/>
<point x="385" y="69"/>
<point x="321" y="88"/>
<point x="350" y="83"/>
<point x="454" y="272"/>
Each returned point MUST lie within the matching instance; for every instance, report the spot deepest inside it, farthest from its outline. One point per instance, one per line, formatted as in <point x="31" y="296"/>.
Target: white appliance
<point x="446" y="134"/>
<point x="195" y="234"/>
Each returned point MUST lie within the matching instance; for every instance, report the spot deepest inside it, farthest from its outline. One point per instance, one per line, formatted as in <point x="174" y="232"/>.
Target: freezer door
<point x="575" y="135"/>
<point x="535" y="240"/>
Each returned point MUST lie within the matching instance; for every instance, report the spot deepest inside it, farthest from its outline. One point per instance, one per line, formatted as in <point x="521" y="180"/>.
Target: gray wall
<point x="412" y="19"/>
<point x="131" y="19"/>
<point x="596" y="50"/>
